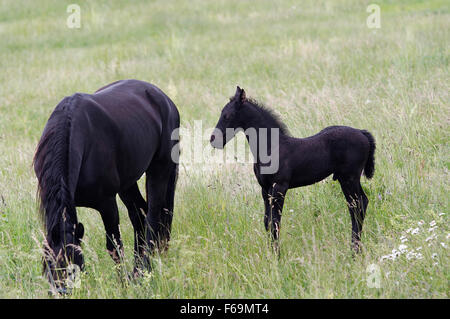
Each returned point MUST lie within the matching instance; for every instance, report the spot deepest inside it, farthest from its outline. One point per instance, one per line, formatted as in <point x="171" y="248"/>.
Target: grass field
<point x="317" y="61"/>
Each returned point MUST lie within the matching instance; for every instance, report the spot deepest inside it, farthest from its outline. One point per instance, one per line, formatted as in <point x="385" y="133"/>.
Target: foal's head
<point x="241" y="114"/>
<point x="230" y="120"/>
<point x="62" y="254"/>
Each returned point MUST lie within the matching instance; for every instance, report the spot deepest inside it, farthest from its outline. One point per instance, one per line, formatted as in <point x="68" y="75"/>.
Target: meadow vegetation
<point x="317" y="61"/>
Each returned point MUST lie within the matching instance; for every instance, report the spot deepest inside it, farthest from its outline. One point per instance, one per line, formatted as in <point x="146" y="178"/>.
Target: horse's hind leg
<point x="157" y="184"/>
<point x="167" y="212"/>
<point x="137" y="210"/>
<point x="357" y="202"/>
<point x="110" y="216"/>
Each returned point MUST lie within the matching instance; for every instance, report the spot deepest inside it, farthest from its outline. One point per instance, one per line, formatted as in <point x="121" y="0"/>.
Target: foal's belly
<point x="308" y="178"/>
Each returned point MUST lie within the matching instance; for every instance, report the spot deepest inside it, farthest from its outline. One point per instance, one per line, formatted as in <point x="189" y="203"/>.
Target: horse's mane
<point x="269" y="116"/>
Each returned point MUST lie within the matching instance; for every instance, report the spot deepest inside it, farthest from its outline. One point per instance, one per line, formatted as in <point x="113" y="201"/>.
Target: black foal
<point x="283" y="162"/>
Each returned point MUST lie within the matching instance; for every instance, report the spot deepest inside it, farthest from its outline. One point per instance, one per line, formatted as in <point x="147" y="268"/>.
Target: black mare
<point x="342" y="151"/>
<point x="96" y="146"/>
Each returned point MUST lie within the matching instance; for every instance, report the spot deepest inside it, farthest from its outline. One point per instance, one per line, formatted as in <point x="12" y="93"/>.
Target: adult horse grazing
<point x="95" y="146"/>
<point x="342" y="151"/>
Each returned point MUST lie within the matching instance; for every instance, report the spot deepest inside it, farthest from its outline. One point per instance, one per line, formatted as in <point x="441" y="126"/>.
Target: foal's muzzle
<point x="216" y="139"/>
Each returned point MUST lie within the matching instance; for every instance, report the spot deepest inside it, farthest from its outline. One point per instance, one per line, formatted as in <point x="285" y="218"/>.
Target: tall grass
<point x="317" y="64"/>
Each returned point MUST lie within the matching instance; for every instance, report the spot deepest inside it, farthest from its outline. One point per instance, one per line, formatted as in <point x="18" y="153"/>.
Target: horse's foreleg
<point x="276" y="201"/>
<point x="110" y="216"/>
<point x="137" y="210"/>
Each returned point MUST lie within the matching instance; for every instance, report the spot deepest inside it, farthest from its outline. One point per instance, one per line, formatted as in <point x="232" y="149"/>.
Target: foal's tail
<point x="51" y="167"/>
<point x="369" y="169"/>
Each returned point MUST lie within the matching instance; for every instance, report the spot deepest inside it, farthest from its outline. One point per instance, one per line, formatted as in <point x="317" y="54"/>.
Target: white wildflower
<point x="441" y="214"/>
<point x="420" y="223"/>
<point x="415" y="231"/>
<point x="419" y="248"/>
<point x="444" y="245"/>
<point x="403" y="239"/>
<point x="410" y="255"/>
<point x="432" y="229"/>
<point x="409" y="230"/>
<point x="402" y="248"/>
<point x="432" y="223"/>
<point x="434" y="256"/>
<point x="430" y="238"/>
<point x="395" y="253"/>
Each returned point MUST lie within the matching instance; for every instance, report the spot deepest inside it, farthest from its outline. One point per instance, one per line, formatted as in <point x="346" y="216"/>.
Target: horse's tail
<point x="369" y="169"/>
<point x="51" y="167"/>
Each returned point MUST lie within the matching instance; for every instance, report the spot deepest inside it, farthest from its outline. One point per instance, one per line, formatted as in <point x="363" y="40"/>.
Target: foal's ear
<point x="240" y="95"/>
<point x="79" y="231"/>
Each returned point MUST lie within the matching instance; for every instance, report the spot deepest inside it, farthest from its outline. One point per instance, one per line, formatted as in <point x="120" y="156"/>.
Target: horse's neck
<point x="262" y="135"/>
<point x="263" y="141"/>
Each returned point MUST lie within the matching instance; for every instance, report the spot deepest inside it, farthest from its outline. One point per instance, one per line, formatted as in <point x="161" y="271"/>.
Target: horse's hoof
<point x="140" y="272"/>
<point x="137" y="273"/>
<point x="62" y="291"/>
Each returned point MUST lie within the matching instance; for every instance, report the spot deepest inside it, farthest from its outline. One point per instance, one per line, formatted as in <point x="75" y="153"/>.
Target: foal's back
<point x="338" y="150"/>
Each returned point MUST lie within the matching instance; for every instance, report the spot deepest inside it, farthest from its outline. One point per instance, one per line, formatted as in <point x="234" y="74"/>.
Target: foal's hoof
<point x="356" y="247"/>
<point x="276" y="248"/>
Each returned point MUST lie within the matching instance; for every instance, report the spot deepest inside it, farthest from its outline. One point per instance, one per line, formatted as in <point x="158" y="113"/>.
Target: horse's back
<point x="144" y="100"/>
<point x="118" y="131"/>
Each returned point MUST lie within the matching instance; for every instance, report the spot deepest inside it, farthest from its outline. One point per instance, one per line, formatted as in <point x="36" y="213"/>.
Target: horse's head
<point x="63" y="255"/>
<point x="230" y="121"/>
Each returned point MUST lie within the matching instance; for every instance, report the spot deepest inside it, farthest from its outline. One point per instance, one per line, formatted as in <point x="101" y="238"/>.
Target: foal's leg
<point x="265" y="196"/>
<point x="276" y="201"/>
<point x="357" y="203"/>
<point x="110" y="216"/>
<point x="137" y="208"/>
<point x="365" y="200"/>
